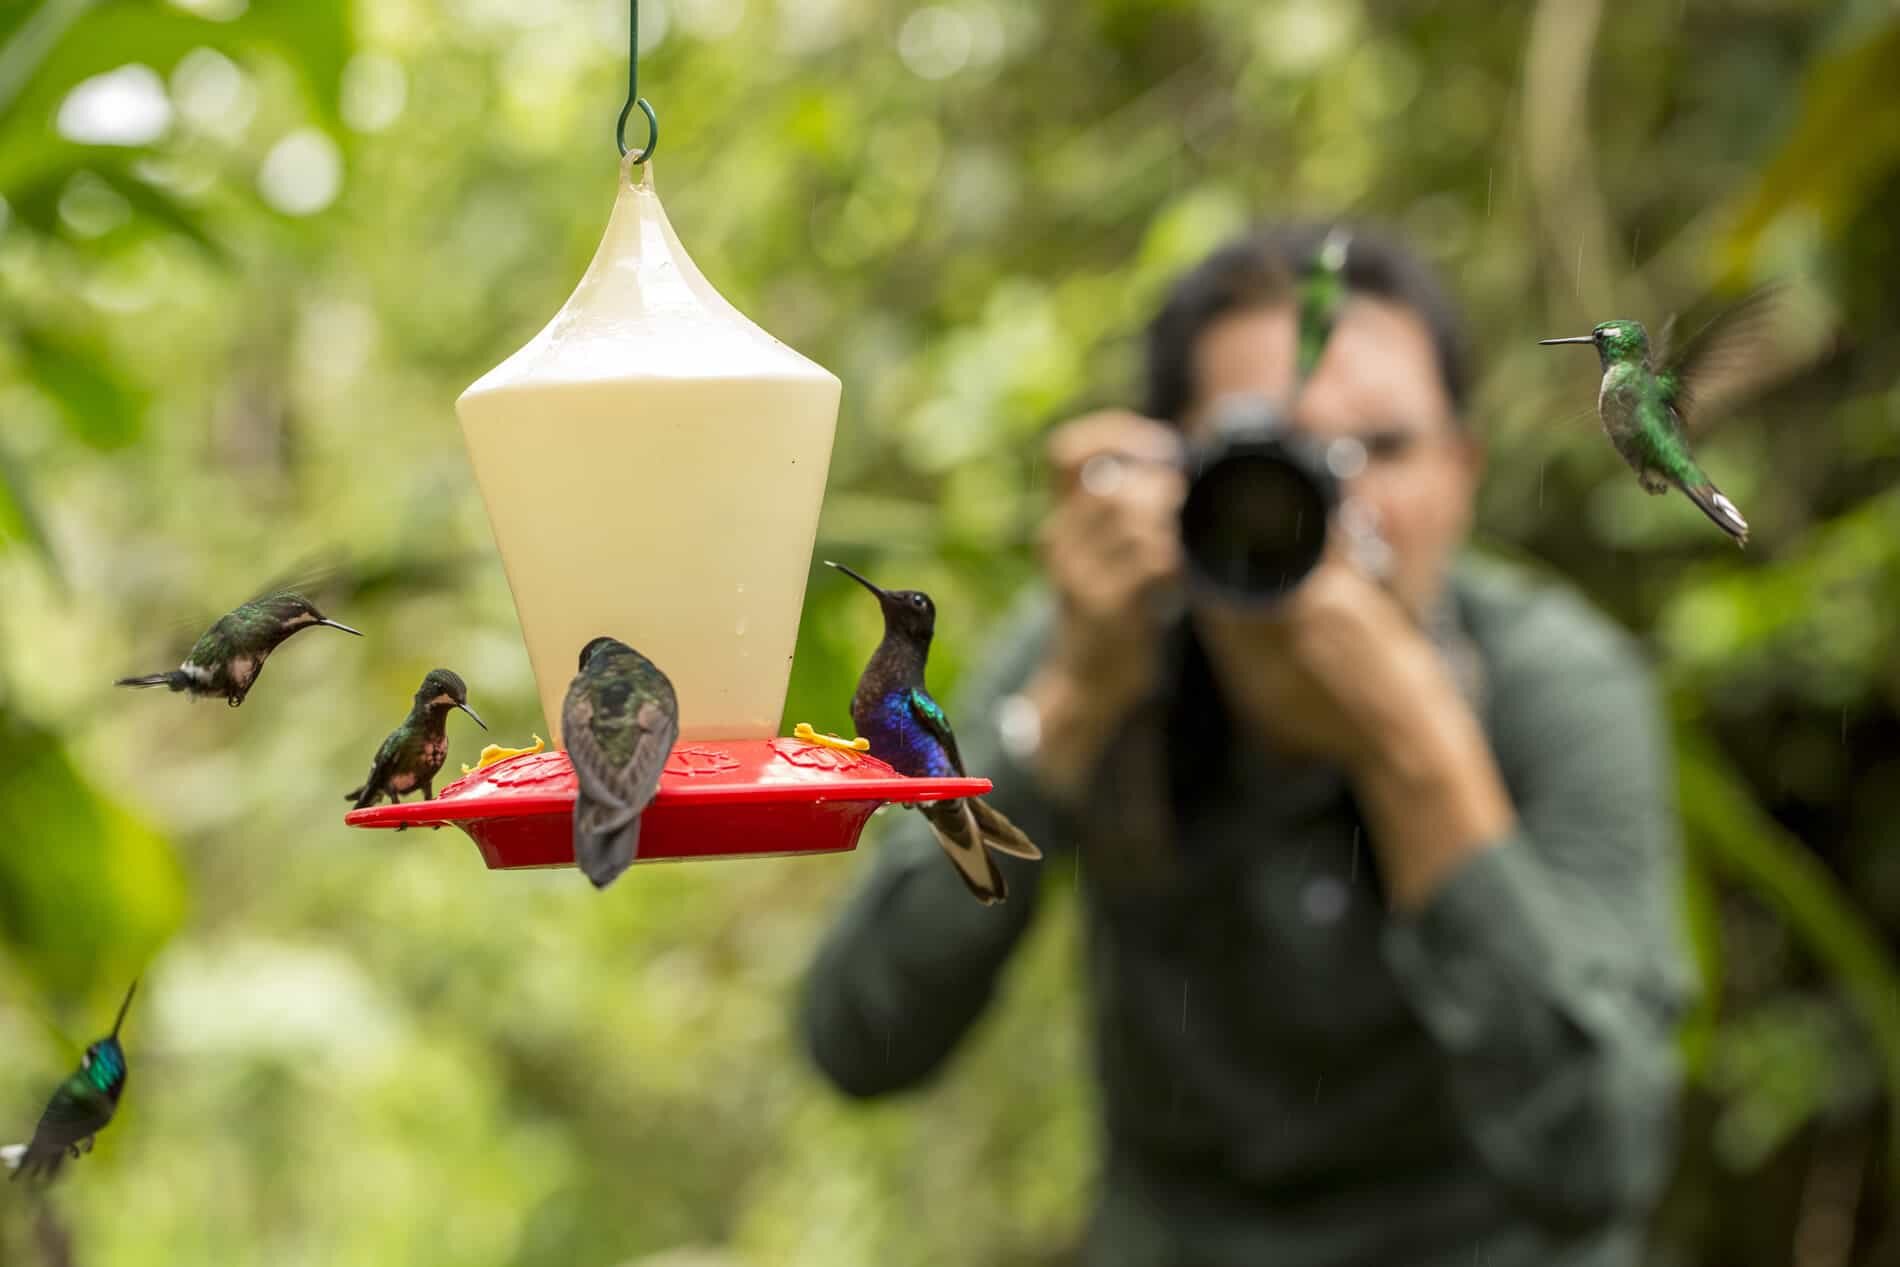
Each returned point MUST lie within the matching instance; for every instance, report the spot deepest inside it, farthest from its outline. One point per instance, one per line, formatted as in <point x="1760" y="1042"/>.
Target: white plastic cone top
<point x="652" y="464"/>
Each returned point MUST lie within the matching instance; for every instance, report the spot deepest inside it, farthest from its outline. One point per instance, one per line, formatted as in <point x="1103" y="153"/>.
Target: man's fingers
<point x="1113" y="433"/>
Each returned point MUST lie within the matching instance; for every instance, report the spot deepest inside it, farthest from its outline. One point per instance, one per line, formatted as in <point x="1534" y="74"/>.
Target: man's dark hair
<point x="1257" y="270"/>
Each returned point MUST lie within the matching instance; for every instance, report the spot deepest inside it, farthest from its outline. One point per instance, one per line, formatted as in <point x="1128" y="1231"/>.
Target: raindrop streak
<point x="1354" y="875"/>
<point x="1184" y="994"/>
<point x="1541" y="467"/>
<point x="1489" y="172"/>
<point x="1579" y="263"/>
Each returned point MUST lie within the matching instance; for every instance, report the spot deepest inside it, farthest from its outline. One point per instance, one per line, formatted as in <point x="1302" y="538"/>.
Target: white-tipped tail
<point x="1720" y="510"/>
<point x="1727" y="507"/>
<point x="13" y="1155"/>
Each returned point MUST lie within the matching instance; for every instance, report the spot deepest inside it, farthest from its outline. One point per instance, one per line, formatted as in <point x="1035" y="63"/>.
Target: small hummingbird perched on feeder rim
<point x="909" y="731"/>
<point x="79" y="1109"/>
<point x="228" y="657"/>
<point x="416" y="749"/>
<point x="1647" y="395"/>
<point x="619" y="722"/>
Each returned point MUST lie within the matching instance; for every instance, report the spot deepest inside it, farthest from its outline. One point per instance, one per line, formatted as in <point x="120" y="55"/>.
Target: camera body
<point x="1260" y="502"/>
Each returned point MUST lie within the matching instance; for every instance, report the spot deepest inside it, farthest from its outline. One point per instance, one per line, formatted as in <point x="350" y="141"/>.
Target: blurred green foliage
<point x="241" y="287"/>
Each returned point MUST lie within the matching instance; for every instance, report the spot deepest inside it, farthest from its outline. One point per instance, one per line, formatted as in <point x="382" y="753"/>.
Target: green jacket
<point x="1291" y="1075"/>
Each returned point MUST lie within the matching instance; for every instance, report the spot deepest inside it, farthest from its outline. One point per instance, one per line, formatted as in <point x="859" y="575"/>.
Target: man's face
<point x="1378" y="383"/>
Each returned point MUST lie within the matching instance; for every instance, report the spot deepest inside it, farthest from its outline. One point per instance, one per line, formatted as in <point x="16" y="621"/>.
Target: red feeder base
<point x="750" y="798"/>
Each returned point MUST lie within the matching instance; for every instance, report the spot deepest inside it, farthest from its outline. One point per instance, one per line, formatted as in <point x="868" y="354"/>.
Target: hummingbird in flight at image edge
<point x="228" y="657"/>
<point x="79" y="1109"/>
<point x="909" y="731"/>
<point x="619" y="722"/>
<point x="414" y="751"/>
<point x="1647" y="397"/>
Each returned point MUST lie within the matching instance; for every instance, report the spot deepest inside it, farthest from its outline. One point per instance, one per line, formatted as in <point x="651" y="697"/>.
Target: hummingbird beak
<point x="1582" y="338"/>
<point x="123" y="1007"/>
<point x="859" y="579"/>
<point x="337" y="625"/>
<point x="471" y="712"/>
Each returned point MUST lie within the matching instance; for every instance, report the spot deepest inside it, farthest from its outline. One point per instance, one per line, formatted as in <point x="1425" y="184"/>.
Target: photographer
<point x="1379" y="881"/>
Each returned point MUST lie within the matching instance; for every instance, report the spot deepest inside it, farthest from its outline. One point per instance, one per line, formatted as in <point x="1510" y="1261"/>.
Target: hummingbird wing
<point x="618" y="740"/>
<point x="379" y="771"/>
<point x="929" y="714"/>
<point x="1734" y="355"/>
<point x="77" y="1111"/>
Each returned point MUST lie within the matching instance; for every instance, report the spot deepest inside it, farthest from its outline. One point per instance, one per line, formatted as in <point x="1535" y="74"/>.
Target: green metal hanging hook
<point x="633" y="92"/>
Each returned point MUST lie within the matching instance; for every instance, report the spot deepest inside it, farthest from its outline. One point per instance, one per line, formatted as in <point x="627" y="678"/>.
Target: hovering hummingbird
<point x="1647" y="397"/>
<point x="619" y="722"/>
<point x="79" y="1109"/>
<point x="908" y="730"/>
<point x="1322" y="293"/>
<point x="227" y="659"/>
<point x="416" y="749"/>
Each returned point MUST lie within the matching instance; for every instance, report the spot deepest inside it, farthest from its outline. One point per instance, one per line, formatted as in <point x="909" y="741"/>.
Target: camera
<point x="1260" y="500"/>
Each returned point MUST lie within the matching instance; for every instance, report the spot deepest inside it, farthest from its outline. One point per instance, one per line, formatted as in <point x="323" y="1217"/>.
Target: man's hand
<point x="1339" y="674"/>
<point x="1343" y="675"/>
<point x="1111" y="550"/>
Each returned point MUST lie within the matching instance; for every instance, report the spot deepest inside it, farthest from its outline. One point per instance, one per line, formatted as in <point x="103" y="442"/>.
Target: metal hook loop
<point x="653" y="129"/>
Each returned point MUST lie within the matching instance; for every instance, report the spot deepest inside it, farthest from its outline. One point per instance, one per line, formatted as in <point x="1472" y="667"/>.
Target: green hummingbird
<point x="415" y="750"/>
<point x="79" y="1109"/>
<point x="1647" y="398"/>
<point x="228" y="657"/>
<point x="619" y="721"/>
<point x="1322" y="293"/>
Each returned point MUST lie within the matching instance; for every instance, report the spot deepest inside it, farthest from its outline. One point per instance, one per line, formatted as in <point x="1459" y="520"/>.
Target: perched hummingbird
<point x="416" y="749"/>
<point x="1645" y="400"/>
<point x="908" y="731"/>
<point x="227" y="659"/>
<point x="80" y="1108"/>
<point x="619" y="722"/>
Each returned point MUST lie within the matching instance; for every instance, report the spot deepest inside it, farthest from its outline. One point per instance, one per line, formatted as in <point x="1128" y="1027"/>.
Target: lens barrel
<point x="1259" y="501"/>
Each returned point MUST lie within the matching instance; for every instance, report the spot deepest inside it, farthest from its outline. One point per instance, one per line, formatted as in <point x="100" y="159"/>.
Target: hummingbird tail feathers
<point x="1000" y="834"/>
<point x="954" y="824"/>
<point x="606" y="839"/>
<point x="1710" y="501"/>
<point x="175" y="679"/>
<point x="12" y="1155"/>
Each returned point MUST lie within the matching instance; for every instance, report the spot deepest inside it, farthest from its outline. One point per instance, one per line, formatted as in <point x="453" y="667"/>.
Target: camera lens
<point x="1254" y="522"/>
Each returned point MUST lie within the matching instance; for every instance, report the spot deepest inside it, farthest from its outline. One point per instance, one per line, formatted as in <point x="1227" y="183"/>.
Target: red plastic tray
<point x="751" y="798"/>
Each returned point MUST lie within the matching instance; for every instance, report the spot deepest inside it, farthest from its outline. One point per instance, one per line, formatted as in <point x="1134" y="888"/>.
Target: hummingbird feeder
<point x="652" y="464"/>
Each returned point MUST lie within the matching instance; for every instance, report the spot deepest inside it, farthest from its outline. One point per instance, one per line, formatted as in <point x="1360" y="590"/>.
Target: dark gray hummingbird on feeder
<point x="416" y="749"/>
<point x="1647" y="397"/>
<point x="79" y="1109"/>
<point x="909" y="732"/>
<point x="619" y="722"/>
<point x="227" y="659"/>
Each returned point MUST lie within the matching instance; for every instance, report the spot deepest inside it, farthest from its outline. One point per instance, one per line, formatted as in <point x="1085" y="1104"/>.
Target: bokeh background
<point x="251" y="252"/>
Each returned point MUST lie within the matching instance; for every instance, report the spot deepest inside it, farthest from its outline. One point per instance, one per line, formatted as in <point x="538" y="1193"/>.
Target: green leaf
<point x="100" y="408"/>
<point x="1735" y="838"/>
<point x="87" y="891"/>
<point x="1846" y="137"/>
<point x="312" y="39"/>
<point x="19" y="513"/>
<point x="35" y="203"/>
